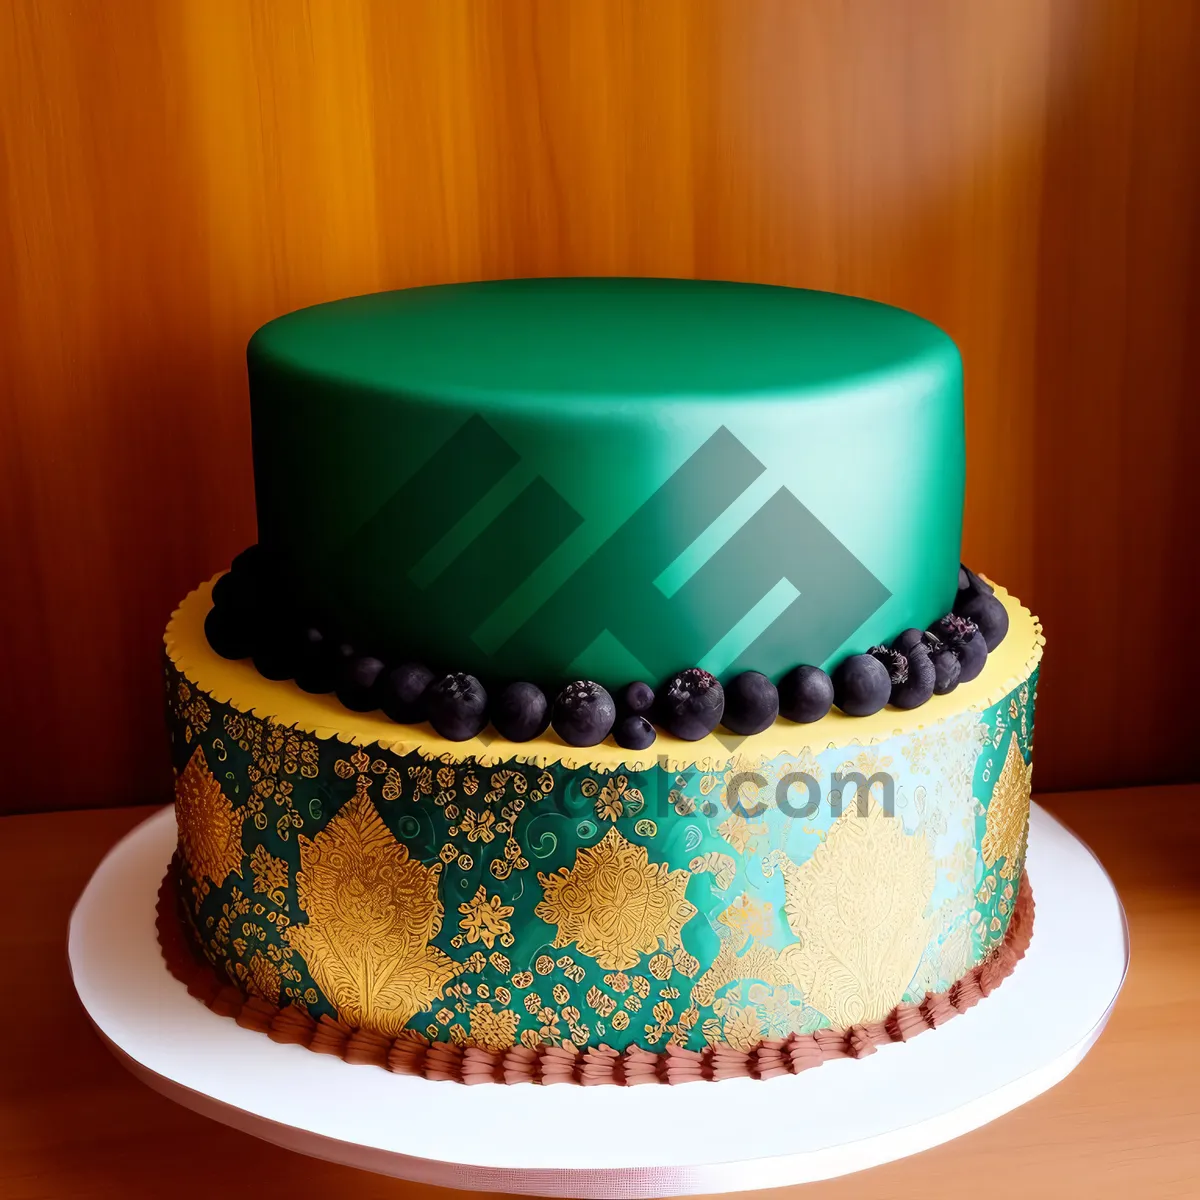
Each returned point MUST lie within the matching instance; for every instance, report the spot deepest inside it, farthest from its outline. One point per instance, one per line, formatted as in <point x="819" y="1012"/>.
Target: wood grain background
<point x="173" y="173"/>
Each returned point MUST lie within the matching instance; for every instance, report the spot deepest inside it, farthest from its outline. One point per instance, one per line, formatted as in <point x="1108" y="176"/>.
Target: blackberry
<point x="634" y="733"/>
<point x="583" y="713"/>
<point x="521" y="712"/>
<point x="805" y="694"/>
<point x="691" y="704"/>
<point x="861" y="685"/>
<point x="457" y="706"/>
<point x="404" y="691"/>
<point x="918" y="687"/>
<point x="751" y="703"/>
<point x="894" y="662"/>
<point x="359" y="688"/>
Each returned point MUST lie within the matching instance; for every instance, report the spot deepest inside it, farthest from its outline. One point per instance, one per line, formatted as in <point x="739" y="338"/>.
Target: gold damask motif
<point x="749" y="918"/>
<point x="782" y="1010"/>
<point x="743" y="1031"/>
<point x="493" y="1029"/>
<point x="1008" y="814"/>
<point x="945" y="963"/>
<point x="742" y="835"/>
<point x="270" y="875"/>
<point x="192" y="710"/>
<point x="759" y="962"/>
<point x="858" y="907"/>
<point x="722" y="867"/>
<point x="276" y="753"/>
<point x="613" y="798"/>
<point x="260" y="978"/>
<point x="478" y="825"/>
<point x="484" y="920"/>
<point x="372" y="915"/>
<point x="615" y="904"/>
<point x="210" y="831"/>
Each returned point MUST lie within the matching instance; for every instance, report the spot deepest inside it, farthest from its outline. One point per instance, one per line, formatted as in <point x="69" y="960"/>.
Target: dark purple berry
<point x="805" y="694"/>
<point x="690" y="704"/>
<point x="946" y="670"/>
<point x="635" y="698"/>
<point x="254" y="580"/>
<point x="457" y="706"/>
<point x="521" y="712"/>
<point x="972" y="657"/>
<point x="343" y="655"/>
<point x="583" y="713"/>
<point x="918" y="687"/>
<point x="404" y="693"/>
<point x="359" y="688"/>
<point x="316" y="662"/>
<point x="751" y="703"/>
<point x="634" y="733"/>
<point x="249" y="562"/>
<point x="861" y="685"/>
<point x="970" y="584"/>
<point x="989" y="614"/>
<point x="895" y="663"/>
<point x="227" y="633"/>
<point x="908" y="639"/>
<point x="276" y="651"/>
<point x="225" y="591"/>
<point x="953" y="630"/>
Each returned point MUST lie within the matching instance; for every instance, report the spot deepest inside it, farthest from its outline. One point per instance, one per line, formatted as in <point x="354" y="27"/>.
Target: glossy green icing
<point x="611" y="478"/>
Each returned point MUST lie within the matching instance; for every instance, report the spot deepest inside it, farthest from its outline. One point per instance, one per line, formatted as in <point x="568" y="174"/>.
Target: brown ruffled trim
<point x="411" y="1054"/>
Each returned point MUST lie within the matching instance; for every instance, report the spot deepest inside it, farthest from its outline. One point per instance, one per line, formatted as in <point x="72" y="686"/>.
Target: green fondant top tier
<point x="611" y="478"/>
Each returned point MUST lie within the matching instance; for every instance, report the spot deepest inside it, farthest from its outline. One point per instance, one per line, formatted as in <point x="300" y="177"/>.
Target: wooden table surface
<point x="73" y="1123"/>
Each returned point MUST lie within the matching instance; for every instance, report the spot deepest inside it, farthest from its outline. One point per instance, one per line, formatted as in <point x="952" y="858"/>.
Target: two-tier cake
<point x="604" y="700"/>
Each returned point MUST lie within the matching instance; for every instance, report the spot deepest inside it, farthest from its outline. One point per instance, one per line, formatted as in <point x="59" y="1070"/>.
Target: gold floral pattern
<point x="685" y="963"/>
<point x="858" y="907"/>
<point x="946" y="961"/>
<point x="614" y="796"/>
<point x="493" y="1029"/>
<point x="1008" y="814"/>
<point x="743" y="1030"/>
<point x="270" y="875"/>
<point x="210" y="831"/>
<point x="484" y="920"/>
<point x="615" y="904"/>
<point x="758" y="962"/>
<point x="661" y="967"/>
<point x="478" y="826"/>
<point x="261" y="977"/>
<point x="722" y="867"/>
<point x="749" y="918"/>
<point x="192" y="710"/>
<point x="372" y="915"/>
<point x="744" y="836"/>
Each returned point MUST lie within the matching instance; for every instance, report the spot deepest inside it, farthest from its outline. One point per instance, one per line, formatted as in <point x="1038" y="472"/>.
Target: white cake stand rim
<point x="626" y="1180"/>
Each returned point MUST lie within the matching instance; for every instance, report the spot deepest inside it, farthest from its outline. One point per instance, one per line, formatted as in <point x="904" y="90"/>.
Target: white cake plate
<point x="843" y="1116"/>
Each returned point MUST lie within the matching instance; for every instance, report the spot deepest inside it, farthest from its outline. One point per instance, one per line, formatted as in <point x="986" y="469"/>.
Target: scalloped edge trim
<point x="239" y="684"/>
<point x="411" y="1054"/>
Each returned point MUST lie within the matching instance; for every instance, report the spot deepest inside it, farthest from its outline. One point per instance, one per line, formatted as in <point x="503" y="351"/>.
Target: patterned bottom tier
<point x="412" y="1054"/>
<point x="498" y="911"/>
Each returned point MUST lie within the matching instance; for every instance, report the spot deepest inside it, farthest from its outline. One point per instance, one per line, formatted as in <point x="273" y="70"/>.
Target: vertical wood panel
<point x="173" y="173"/>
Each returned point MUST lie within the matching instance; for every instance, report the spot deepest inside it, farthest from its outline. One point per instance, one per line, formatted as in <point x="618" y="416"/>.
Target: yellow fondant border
<point x="239" y="684"/>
